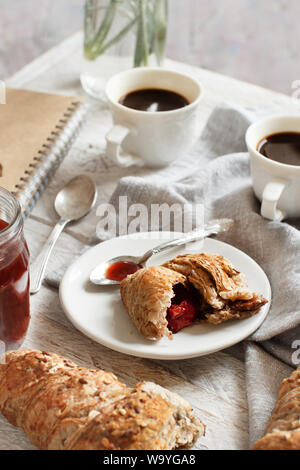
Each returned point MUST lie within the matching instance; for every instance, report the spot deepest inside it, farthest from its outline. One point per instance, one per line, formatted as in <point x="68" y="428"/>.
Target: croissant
<point x="63" y="406"/>
<point x="283" y="429"/>
<point x="222" y="287"/>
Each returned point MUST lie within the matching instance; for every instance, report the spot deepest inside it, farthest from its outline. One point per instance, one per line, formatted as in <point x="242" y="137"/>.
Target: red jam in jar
<point x="14" y="273"/>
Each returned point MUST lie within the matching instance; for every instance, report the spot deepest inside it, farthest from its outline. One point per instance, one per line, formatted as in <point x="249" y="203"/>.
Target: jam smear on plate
<point x="118" y="271"/>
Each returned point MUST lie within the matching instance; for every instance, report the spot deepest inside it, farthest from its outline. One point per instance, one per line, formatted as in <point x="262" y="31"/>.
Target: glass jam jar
<point x="14" y="273"/>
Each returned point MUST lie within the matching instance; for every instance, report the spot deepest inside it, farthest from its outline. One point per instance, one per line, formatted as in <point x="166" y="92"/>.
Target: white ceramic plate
<point x="98" y="311"/>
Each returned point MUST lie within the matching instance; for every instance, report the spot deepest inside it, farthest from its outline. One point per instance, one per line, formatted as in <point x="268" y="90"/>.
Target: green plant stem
<point x="92" y="47"/>
<point x="150" y="18"/>
<point x="160" y="29"/>
<point x="118" y="37"/>
<point x="141" y="48"/>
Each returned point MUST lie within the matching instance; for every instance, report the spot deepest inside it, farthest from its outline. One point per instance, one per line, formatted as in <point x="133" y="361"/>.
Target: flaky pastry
<point x="283" y="429"/>
<point x="147" y="295"/>
<point x="222" y="287"/>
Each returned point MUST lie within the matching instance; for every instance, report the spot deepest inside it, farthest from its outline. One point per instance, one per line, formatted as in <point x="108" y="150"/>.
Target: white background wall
<point x="254" y="40"/>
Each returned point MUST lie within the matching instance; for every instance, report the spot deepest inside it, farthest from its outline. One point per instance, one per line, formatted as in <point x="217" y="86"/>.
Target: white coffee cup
<point x="153" y="139"/>
<point x="276" y="185"/>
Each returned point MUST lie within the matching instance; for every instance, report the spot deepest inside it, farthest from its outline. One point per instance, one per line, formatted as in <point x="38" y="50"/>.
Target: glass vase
<point x="120" y="34"/>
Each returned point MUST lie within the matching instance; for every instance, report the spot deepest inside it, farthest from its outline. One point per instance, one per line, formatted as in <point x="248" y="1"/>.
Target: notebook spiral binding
<point x="50" y="156"/>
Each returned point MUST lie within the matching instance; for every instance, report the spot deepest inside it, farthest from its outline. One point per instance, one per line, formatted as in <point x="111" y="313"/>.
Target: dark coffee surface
<point x="153" y="100"/>
<point x="283" y="148"/>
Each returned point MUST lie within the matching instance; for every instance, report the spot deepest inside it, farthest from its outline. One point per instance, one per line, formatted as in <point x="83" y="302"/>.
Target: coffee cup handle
<point x="114" y="140"/>
<point x="270" y="198"/>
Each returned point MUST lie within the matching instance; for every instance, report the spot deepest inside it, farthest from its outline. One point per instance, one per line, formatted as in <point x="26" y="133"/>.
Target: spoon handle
<point x="38" y="267"/>
<point x="212" y="228"/>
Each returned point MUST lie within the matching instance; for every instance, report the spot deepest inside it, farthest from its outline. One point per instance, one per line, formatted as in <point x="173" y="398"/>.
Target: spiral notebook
<point x="36" y="133"/>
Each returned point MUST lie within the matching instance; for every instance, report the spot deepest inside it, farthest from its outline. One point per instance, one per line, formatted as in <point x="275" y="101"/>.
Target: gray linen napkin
<point x="216" y="173"/>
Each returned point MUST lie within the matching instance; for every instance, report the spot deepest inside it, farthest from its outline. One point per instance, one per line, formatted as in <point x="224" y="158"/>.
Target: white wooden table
<point x="203" y="381"/>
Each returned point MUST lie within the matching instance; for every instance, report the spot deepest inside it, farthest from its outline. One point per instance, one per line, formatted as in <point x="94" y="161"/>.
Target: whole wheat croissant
<point x="62" y="406"/>
<point x="283" y="429"/>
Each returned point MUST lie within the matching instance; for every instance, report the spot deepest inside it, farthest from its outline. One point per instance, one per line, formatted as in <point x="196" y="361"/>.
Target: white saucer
<point x="98" y="311"/>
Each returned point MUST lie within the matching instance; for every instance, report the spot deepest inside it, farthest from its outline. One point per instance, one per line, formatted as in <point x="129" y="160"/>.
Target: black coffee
<point x="282" y="148"/>
<point x="153" y="100"/>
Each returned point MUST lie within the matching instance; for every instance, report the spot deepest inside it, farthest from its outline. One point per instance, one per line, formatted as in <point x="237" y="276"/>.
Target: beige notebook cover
<point x="36" y="131"/>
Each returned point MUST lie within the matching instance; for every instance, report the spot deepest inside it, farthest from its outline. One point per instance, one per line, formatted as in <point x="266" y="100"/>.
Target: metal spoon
<point x="98" y="275"/>
<point x="72" y="202"/>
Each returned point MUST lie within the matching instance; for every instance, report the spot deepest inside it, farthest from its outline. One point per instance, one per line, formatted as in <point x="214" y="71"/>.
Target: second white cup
<point x="276" y="185"/>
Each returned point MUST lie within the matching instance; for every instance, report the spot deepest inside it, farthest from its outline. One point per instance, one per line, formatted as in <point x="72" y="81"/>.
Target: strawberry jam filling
<point x="184" y="310"/>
